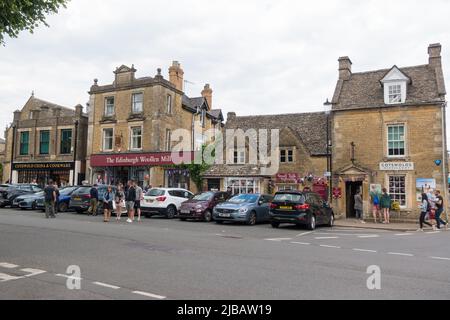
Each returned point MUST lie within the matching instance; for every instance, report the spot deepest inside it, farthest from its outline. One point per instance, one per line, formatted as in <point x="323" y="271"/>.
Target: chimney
<point x="231" y="116"/>
<point x="17" y="115"/>
<point x="78" y="111"/>
<point x="207" y="94"/>
<point x="176" y="75"/>
<point x="434" y="52"/>
<point x="345" y="68"/>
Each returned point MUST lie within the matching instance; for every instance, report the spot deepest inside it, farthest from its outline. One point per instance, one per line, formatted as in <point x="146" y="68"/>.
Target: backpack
<point x="376" y="199"/>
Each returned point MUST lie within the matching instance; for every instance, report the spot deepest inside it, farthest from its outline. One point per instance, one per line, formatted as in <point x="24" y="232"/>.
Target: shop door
<point x="213" y="184"/>
<point x="351" y="189"/>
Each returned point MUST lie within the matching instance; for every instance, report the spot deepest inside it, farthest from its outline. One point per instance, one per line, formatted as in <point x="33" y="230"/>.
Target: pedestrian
<point x="130" y="200"/>
<point x="439" y="210"/>
<point x="385" y="203"/>
<point x="359" y="206"/>
<point x="120" y="199"/>
<point x="108" y="204"/>
<point x="94" y="201"/>
<point x="139" y="198"/>
<point x="375" y="200"/>
<point x="57" y="198"/>
<point x="50" y="199"/>
<point x="425" y="208"/>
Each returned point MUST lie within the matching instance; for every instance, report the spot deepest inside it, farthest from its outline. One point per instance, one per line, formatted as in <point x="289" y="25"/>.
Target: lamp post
<point x="13" y="151"/>
<point x="327" y="106"/>
<point x="75" y="153"/>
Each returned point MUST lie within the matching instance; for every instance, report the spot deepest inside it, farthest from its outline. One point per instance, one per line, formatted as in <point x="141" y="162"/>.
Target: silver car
<point x="247" y="208"/>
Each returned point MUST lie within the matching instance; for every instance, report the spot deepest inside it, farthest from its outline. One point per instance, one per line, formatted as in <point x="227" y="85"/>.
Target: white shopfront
<point x="243" y="185"/>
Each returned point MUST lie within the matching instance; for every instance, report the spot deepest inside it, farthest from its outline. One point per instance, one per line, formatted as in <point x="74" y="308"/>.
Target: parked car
<point x="63" y="200"/>
<point x="8" y="195"/>
<point x="28" y="201"/>
<point x="164" y="201"/>
<point x="80" y="199"/>
<point x="248" y="208"/>
<point x="300" y="208"/>
<point x="201" y="206"/>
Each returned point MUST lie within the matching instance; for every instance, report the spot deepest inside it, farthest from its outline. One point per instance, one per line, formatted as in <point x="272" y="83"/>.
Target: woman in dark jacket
<point x="424" y="209"/>
<point x="108" y="204"/>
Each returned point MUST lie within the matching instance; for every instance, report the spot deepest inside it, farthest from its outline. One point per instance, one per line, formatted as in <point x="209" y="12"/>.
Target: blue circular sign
<point x="438" y="162"/>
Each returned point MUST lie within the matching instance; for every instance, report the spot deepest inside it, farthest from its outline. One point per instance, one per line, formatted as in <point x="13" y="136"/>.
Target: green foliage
<point x="19" y="15"/>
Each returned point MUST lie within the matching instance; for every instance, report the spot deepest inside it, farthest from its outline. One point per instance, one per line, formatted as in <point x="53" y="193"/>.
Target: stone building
<point x="131" y="126"/>
<point x="301" y="154"/>
<point x="389" y="132"/>
<point x="46" y="141"/>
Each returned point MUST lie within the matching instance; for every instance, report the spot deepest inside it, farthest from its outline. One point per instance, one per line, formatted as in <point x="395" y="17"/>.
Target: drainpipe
<point x="75" y="153"/>
<point x="13" y="151"/>
<point x="444" y="156"/>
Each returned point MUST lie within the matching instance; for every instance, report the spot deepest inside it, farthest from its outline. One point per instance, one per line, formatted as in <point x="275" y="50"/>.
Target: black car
<point x="80" y="200"/>
<point x="10" y="193"/>
<point x="300" y="208"/>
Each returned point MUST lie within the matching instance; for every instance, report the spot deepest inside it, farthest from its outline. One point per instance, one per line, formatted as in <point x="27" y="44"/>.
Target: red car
<point x="201" y="206"/>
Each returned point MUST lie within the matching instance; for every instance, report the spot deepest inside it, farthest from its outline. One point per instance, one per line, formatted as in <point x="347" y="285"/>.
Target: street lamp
<point x="328" y="106"/>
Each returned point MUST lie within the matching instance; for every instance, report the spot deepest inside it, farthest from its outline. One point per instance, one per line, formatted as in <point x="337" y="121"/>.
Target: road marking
<point x="32" y="272"/>
<point x="332" y="247"/>
<point x="401" y="254"/>
<point x="8" y="265"/>
<point x="6" y="277"/>
<point x="110" y="286"/>
<point x="278" y="239"/>
<point x="371" y="236"/>
<point x="324" y="238"/>
<point x="302" y="243"/>
<point x="403" y="234"/>
<point x="68" y="277"/>
<point x="440" y="258"/>
<point x="432" y="232"/>
<point x="343" y="234"/>
<point x="303" y="234"/>
<point x="365" y="250"/>
<point x="150" y="295"/>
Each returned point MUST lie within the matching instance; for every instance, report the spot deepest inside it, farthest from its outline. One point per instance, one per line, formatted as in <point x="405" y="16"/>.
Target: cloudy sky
<point x="259" y="56"/>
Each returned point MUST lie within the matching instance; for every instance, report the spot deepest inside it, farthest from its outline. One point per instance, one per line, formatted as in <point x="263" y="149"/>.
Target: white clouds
<point x="259" y="56"/>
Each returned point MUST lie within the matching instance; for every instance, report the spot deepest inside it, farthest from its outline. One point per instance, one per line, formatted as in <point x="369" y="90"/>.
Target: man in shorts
<point x="139" y="198"/>
<point x="130" y="199"/>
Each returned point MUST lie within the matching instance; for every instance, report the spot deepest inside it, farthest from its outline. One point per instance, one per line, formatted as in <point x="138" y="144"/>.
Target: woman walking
<point x="120" y="199"/>
<point x="385" y="205"/>
<point x="424" y="209"/>
<point x="108" y="204"/>
<point x="359" y="206"/>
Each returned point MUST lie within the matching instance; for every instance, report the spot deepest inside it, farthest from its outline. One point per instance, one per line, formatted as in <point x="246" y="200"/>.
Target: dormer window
<point x="395" y="93"/>
<point x="395" y="84"/>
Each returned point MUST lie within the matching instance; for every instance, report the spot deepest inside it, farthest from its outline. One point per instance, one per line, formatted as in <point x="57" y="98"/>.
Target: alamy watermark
<point x="374" y="280"/>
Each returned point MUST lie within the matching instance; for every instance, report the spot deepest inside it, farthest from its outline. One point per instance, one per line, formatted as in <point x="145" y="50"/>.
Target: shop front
<point x="41" y="172"/>
<point x="241" y="185"/>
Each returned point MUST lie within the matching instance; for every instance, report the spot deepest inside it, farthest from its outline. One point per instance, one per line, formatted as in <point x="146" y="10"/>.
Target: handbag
<point x="432" y="214"/>
<point x="114" y="205"/>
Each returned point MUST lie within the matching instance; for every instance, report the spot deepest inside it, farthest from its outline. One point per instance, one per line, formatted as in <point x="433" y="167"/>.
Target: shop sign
<point x="397" y="166"/>
<point x="134" y="160"/>
<point x="288" y="177"/>
<point x="43" y="166"/>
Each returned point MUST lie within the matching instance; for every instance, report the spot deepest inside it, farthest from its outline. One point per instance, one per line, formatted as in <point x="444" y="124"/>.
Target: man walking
<point x="359" y="206"/>
<point x="139" y="198"/>
<point x="440" y="209"/>
<point x="130" y="199"/>
<point x="94" y="201"/>
<point x="50" y="200"/>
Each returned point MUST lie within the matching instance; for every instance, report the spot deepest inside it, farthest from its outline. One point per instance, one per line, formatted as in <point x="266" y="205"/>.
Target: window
<point x="168" y="140"/>
<point x="169" y="104"/>
<point x="137" y="103"/>
<point x="395" y="93"/>
<point x="109" y="107"/>
<point x="66" y="141"/>
<point x="286" y="155"/>
<point x="108" y="139"/>
<point x="24" y="142"/>
<point x="239" y="186"/>
<point x="396" y="140"/>
<point x="203" y="118"/>
<point x="136" y="138"/>
<point x="397" y="189"/>
<point x="44" y="142"/>
<point x="239" y="157"/>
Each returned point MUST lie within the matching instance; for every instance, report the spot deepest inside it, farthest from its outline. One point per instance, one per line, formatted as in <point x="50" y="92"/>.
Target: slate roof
<point x="364" y="89"/>
<point x="224" y="170"/>
<point x="36" y="104"/>
<point x="193" y="103"/>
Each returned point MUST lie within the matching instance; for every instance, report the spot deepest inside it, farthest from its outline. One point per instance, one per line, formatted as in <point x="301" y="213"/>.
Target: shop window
<point x="286" y="155"/>
<point x="24" y="143"/>
<point x="242" y="185"/>
<point x="136" y="138"/>
<point x="66" y="141"/>
<point x="396" y="140"/>
<point x="177" y="178"/>
<point x="397" y="189"/>
<point x="108" y="139"/>
<point x="137" y="103"/>
<point x="44" y="142"/>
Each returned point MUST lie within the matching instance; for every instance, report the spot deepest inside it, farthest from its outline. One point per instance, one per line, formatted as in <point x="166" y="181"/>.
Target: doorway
<point x="351" y="188"/>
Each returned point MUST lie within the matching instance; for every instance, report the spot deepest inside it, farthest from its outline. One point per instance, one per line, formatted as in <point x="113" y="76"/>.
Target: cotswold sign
<point x="397" y="166"/>
<point x="134" y="160"/>
<point x="44" y="166"/>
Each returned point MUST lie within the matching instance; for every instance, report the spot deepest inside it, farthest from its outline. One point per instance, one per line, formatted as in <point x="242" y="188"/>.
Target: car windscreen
<point x="83" y="190"/>
<point x="289" y="197"/>
<point x="203" y="196"/>
<point x="155" y="193"/>
<point x="244" y="198"/>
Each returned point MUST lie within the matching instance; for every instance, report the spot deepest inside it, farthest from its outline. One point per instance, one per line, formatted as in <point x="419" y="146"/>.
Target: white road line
<point x="342" y="234"/>
<point x="68" y="277"/>
<point x="150" y="295"/>
<point x="365" y="250"/>
<point x="302" y="243"/>
<point x="110" y="286"/>
<point x="371" y="236"/>
<point x="403" y="234"/>
<point x="440" y="258"/>
<point x="32" y="272"/>
<point x="8" y="265"/>
<point x="6" y="277"/>
<point x="324" y="238"/>
<point x="303" y="234"/>
<point x="401" y="254"/>
<point x="332" y="247"/>
<point x="278" y="239"/>
<point x="432" y="232"/>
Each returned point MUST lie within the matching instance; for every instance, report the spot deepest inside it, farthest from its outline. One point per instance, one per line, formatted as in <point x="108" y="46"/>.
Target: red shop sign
<point x="136" y="159"/>
<point x="284" y="177"/>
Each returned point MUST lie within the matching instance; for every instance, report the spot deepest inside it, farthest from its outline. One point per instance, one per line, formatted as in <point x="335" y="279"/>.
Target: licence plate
<point x="285" y="208"/>
<point x="185" y="211"/>
<point x="149" y="201"/>
<point x="224" y="215"/>
<point x="77" y="199"/>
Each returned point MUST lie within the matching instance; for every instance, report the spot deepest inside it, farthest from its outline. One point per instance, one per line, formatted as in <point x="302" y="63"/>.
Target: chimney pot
<point x="345" y="68"/>
<point x="207" y="94"/>
<point x="176" y="75"/>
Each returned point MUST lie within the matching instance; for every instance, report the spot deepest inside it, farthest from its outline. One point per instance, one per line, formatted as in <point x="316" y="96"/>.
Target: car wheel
<point x="171" y="212"/>
<point x="183" y="219"/>
<point x="312" y="223"/>
<point x="33" y="206"/>
<point x="275" y="225"/>
<point x="208" y="216"/>
<point x="79" y="211"/>
<point x="331" y="223"/>
<point x="62" y="207"/>
<point x="252" y="219"/>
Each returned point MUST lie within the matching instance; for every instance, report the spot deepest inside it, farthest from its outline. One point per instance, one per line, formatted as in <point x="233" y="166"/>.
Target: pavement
<point x="354" y="223"/>
<point x="77" y="257"/>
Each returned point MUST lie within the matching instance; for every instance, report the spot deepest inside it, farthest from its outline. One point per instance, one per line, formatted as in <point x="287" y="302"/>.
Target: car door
<point x="321" y="218"/>
<point x="265" y="207"/>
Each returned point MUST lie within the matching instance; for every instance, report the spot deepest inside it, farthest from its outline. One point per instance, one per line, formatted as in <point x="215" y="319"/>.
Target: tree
<point x="19" y="15"/>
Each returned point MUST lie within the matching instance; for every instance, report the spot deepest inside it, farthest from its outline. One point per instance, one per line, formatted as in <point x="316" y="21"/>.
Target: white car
<point x="164" y="201"/>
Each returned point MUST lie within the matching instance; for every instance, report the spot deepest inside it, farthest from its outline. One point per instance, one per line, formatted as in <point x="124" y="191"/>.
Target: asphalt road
<point x="170" y="259"/>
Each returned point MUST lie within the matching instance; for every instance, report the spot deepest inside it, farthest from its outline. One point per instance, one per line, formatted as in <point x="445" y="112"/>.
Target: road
<point x="169" y="259"/>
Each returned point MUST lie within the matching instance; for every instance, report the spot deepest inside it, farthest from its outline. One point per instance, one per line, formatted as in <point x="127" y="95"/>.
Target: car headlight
<point x="199" y="206"/>
<point x="243" y="210"/>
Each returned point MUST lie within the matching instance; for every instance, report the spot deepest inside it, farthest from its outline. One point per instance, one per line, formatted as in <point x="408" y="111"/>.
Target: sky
<point x="260" y="56"/>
